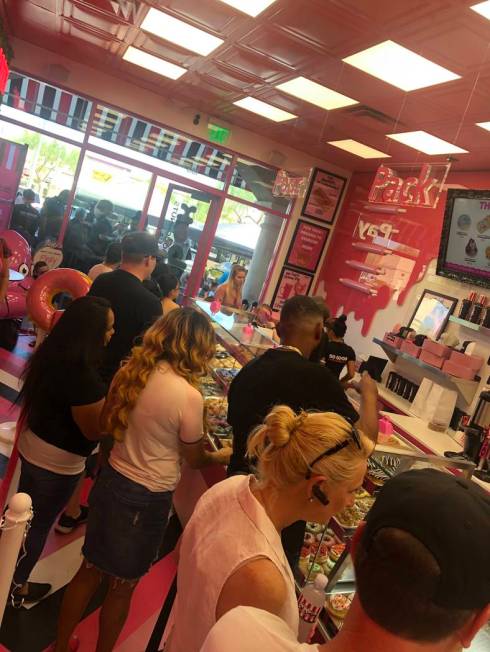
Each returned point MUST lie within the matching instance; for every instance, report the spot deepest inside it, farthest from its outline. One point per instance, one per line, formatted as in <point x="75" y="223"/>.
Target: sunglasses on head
<point x="353" y="437"/>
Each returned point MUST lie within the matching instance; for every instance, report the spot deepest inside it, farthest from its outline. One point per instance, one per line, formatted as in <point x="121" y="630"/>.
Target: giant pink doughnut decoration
<point x="42" y="292"/>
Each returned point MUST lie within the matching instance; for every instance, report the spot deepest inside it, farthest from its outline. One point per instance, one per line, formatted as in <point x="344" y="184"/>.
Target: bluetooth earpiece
<point x="319" y="495"/>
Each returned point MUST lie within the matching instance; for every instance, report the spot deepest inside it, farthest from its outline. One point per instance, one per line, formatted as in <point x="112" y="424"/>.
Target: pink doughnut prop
<point x="42" y="292"/>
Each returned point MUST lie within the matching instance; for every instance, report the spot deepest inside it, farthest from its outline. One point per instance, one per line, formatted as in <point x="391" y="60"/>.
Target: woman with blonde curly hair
<point x="155" y="414"/>
<point x="309" y="467"/>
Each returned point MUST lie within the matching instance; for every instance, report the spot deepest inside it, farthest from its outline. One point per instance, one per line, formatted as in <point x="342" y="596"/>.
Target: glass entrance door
<point x="178" y="216"/>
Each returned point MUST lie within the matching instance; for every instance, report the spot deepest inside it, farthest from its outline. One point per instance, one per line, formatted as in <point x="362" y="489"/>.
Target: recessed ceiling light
<point x="155" y="64"/>
<point x="400" y="67"/>
<point x="424" y="142"/>
<point x="482" y="8"/>
<point x="251" y="7"/>
<point x="316" y="94"/>
<point x="484" y="125"/>
<point x="264" y="109"/>
<point x="182" y="34"/>
<point x="357" y="148"/>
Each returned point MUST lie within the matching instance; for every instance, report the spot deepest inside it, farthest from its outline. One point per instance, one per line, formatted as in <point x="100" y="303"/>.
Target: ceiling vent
<point x="366" y="113"/>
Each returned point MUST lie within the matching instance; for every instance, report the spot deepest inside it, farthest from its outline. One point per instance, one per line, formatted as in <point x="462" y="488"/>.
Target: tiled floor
<point x="32" y="630"/>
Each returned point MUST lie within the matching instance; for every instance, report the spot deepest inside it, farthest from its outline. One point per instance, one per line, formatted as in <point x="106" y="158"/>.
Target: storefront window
<point x="253" y="182"/>
<point x="50" y="163"/>
<point x="109" y="198"/>
<point x="160" y="147"/>
<point x="247" y="236"/>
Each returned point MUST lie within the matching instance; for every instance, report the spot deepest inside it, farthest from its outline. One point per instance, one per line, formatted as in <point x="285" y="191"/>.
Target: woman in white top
<point x="309" y="467"/>
<point x="155" y="413"/>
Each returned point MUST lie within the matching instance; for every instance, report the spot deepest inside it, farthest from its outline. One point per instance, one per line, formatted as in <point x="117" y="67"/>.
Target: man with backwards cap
<point x="422" y="563"/>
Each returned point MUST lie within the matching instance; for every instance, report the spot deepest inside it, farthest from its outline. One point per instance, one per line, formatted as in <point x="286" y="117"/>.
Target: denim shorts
<point x="126" y="525"/>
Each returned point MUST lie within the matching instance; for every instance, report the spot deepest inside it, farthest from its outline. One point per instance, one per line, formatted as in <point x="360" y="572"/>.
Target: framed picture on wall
<point x="323" y="197"/>
<point x="291" y="283"/>
<point x="306" y="246"/>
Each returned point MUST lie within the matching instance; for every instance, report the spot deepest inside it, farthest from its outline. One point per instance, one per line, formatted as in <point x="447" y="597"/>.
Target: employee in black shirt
<point x="338" y="354"/>
<point x="62" y="400"/>
<point x="286" y="376"/>
<point x="135" y="308"/>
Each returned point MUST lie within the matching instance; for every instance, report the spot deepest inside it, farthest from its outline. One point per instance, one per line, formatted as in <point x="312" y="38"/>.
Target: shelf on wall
<point x="470" y="325"/>
<point x="465" y="388"/>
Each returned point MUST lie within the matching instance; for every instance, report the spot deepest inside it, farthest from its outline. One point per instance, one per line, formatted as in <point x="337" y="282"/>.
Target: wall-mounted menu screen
<point x="464" y="253"/>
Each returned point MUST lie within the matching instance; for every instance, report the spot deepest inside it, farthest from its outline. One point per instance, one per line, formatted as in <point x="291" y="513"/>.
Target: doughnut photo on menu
<point x="464" y="222"/>
<point x="471" y="248"/>
<point x="484" y="224"/>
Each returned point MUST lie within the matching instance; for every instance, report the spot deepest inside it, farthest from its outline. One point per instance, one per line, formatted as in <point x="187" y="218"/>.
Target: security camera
<point x="197" y="119"/>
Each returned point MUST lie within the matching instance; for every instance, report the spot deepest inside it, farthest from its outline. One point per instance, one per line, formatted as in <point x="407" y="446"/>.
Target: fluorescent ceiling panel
<point x="182" y="34"/>
<point x="482" y="8"/>
<point x="264" y="109"/>
<point x="251" y="7"/>
<point x="483" y="125"/>
<point x="426" y="143"/>
<point x="155" y="64"/>
<point x="357" y="148"/>
<point x="400" y="67"/>
<point x="321" y="96"/>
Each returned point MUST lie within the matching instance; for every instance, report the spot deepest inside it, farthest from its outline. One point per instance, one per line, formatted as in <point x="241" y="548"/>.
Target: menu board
<point x="307" y="246"/>
<point x="323" y="197"/>
<point x="468" y="238"/>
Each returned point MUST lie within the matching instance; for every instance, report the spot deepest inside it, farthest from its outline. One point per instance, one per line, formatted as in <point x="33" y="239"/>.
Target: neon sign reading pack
<point x="419" y="186"/>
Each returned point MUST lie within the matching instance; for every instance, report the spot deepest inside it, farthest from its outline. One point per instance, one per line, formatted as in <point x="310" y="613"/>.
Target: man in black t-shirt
<point x="135" y="308"/>
<point x="286" y="376"/>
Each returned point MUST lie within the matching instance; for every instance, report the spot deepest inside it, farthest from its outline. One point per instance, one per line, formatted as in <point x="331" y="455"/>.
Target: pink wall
<point x="418" y="233"/>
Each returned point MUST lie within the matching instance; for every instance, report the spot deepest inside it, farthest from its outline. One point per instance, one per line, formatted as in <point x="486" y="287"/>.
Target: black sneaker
<point x="67" y="524"/>
<point x="35" y="592"/>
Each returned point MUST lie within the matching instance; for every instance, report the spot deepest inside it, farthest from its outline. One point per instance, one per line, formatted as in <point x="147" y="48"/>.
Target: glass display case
<point x="235" y="332"/>
<point x="238" y="343"/>
<point x="326" y="549"/>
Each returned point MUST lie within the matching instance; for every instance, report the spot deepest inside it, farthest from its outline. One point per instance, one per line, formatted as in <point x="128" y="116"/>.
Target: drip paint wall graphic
<point x="377" y="255"/>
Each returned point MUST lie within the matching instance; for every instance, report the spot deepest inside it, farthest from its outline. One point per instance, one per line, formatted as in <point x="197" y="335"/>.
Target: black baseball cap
<point x="450" y="516"/>
<point x="140" y="244"/>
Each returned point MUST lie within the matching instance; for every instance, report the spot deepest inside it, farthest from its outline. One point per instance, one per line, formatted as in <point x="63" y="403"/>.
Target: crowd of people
<point x="122" y="368"/>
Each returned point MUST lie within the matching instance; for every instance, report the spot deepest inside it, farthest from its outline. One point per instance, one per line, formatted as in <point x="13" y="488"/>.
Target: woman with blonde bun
<point x="155" y="413"/>
<point x="309" y="466"/>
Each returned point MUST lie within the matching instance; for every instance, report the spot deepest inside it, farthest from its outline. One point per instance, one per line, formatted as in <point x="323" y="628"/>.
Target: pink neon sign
<point x="392" y="187"/>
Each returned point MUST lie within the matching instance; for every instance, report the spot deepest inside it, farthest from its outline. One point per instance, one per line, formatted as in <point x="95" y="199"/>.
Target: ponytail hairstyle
<point x="286" y="443"/>
<point x="339" y="326"/>
<point x="184" y="339"/>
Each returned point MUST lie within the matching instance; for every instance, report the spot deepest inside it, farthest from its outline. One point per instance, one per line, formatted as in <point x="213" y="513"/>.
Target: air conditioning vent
<point x="366" y="112"/>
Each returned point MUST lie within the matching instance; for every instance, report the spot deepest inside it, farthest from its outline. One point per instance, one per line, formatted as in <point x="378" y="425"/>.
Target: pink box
<point x="436" y="349"/>
<point x="472" y="361"/>
<point x="430" y="358"/>
<point x="458" y="370"/>
<point x="393" y="340"/>
<point x="410" y="348"/>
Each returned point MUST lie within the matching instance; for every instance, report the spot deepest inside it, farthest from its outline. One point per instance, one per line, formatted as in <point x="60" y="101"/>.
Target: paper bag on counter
<point x="418" y="404"/>
<point x="439" y="406"/>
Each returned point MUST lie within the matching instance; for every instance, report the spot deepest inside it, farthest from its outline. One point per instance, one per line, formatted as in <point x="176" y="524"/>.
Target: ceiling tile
<point x="277" y="45"/>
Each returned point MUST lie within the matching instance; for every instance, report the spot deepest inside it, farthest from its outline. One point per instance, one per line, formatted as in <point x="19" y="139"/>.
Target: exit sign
<point x="217" y="134"/>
